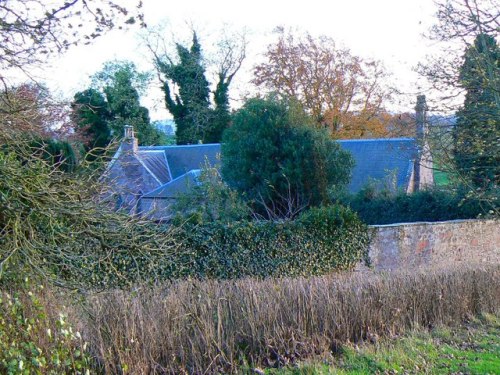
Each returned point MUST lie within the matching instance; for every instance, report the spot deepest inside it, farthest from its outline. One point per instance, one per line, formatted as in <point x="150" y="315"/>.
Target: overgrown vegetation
<point x="439" y="204"/>
<point x="215" y="327"/>
<point x="320" y="241"/>
<point x="35" y="335"/>
<point x="473" y="348"/>
<point x="52" y="226"/>
<point x="211" y="293"/>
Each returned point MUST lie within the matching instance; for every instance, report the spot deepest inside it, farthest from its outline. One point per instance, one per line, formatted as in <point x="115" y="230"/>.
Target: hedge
<point x="320" y="241"/>
<point x="378" y="208"/>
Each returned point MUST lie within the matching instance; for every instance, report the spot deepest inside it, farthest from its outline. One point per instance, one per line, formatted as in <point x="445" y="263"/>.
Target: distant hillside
<point x="166" y="126"/>
<point x="442" y="121"/>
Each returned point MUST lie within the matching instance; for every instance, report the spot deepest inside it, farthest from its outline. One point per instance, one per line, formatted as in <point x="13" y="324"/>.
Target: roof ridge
<point x="376" y="139"/>
<point x="159" y="148"/>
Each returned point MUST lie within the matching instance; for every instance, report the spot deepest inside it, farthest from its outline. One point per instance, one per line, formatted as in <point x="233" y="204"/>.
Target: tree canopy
<point x="477" y="150"/>
<point x="342" y="92"/>
<point x="101" y="112"/>
<point x="280" y="163"/>
<point x="188" y="93"/>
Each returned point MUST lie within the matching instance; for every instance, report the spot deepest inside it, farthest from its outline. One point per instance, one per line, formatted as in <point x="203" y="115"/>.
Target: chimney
<point x="421" y="118"/>
<point x="423" y="169"/>
<point x="129" y="143"/>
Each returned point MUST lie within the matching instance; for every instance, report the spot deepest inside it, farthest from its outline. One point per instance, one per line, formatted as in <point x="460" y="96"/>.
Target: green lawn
<point x="441" y="175"/>
<point x="441" y="178"/>
<point x="470" y="349"/>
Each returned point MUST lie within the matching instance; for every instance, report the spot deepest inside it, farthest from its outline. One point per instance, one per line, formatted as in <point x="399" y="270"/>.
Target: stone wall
<point x="435" y="244"/>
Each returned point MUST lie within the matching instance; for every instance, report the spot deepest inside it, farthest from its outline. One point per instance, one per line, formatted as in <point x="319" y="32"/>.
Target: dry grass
<point x="210" y="327"/>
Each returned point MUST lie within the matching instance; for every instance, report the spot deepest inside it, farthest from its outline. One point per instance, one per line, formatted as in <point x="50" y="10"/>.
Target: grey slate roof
<point x="176" y="187"/>
<point x="178" y="167"/>
<point x="156" y="163"/>
<point x="183" y="159"/>
<point x="381" y="159"/>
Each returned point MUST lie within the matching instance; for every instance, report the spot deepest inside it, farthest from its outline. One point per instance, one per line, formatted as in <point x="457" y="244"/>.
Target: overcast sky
<point x="387" y="30"/>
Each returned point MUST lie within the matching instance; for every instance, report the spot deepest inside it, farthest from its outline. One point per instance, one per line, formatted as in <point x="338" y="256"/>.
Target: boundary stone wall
<point x="412" y="245"/>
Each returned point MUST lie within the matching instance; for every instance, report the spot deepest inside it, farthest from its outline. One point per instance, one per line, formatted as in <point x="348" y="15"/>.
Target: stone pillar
<point x="423" y="169"/>
<point x="421" y="118"/>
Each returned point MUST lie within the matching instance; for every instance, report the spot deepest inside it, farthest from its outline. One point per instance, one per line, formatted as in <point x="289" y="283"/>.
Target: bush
<point x="211" y="200"/>
<point x="213" y="327"/>
<point x="36" y="338"/>
<point x="319" y="241"/>
<point x="282" y="164"/>
<point x="377" y="208"/>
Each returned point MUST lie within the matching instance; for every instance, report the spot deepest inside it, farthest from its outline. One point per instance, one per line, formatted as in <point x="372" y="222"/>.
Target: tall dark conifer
<point x="477" y="133"/>
<point x="195" y="117"/>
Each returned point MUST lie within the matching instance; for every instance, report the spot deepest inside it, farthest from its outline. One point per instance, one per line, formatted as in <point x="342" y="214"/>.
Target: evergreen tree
<point x="91" y="116"/>
<point x="125" y="108"/>
<point x="102" y="112"/>
<point x="195" y="117"/>
<point x="279" y="162"/>
<point x="477" y="149"/>
<point x="222" y="117"/>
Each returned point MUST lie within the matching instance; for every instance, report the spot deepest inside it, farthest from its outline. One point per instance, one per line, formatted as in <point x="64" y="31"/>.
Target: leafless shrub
<point x="212" y="327"/>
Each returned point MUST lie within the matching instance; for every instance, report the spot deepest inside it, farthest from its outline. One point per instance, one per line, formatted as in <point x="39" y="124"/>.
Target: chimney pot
<point x="129" y="140"/>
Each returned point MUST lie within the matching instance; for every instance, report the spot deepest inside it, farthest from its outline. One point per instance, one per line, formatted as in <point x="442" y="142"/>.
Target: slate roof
<point x="176" y="187"/>
<point x="381" y="159"/>
<point x="156" y="163"/>
<point x="184" y="158"/>
<point x="177" y="167"/>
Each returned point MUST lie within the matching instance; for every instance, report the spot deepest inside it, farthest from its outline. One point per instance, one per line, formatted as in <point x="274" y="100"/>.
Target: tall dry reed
<point x="211" y="327"/>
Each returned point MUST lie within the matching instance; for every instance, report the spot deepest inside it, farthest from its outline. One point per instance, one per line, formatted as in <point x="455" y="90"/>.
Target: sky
<point x="387" y="30"/>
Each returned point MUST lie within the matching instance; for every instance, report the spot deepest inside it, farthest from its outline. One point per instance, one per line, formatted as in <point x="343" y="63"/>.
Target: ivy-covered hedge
<point x="320" y="241"/>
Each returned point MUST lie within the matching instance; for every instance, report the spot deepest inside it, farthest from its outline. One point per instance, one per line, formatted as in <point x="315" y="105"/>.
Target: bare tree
<point x="342" y="92"/>
<point x="30" y="30"/>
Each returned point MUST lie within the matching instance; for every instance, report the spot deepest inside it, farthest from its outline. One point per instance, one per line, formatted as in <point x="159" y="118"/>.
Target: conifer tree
<point x="477" y="150"/>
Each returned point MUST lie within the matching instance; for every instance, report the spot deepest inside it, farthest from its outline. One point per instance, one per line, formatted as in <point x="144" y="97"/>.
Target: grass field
<point x="441" y="175"/>
<point x="473" y="348"/>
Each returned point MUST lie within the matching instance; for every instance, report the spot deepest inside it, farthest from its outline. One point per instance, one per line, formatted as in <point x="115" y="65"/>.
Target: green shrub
<point x="211" y="200"/>
<point x="319" y="241"/>
<point x="35" y="339"/>
<point x="279" y="162"/>
<point x="382" y="207"/>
